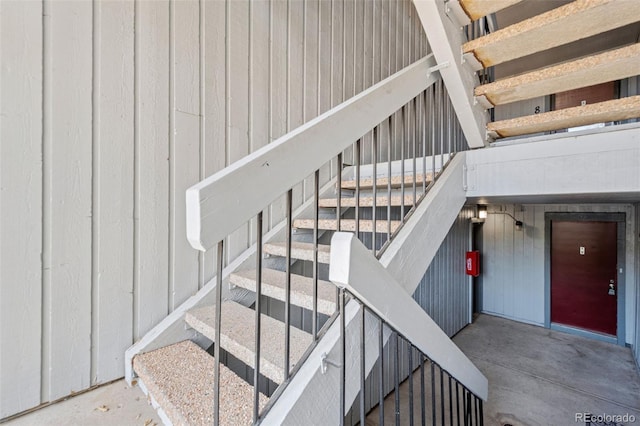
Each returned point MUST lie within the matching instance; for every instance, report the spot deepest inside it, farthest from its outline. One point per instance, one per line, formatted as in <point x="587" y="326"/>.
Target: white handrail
<point x="352" y="266"/>
<point x="220" y="204"/>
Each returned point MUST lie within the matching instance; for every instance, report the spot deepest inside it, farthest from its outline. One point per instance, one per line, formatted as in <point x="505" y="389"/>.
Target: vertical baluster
<point x="450" y="401"/>
<point x="449" y="127"/>
<point x="457" y="402"/>
<point x="481" y="412"/>
<point x="402" y="154"/>
<point x="358" y="160"/>
<point x="374" y="161"/>
<point x="410" y="356"/>
<point x="396" y="378"/>
<point x="475" y="408"/>
<point x="316" y="218"/>
<point x="338" y="204"/>
<point x="415" y="148"/>
<point x="287" y="296"/>
<point x="432" y="122"/>
<point x="258" y="310"/>
<point x="441" y="395"/>
<point x="467" y="408"/>
<point x="424" y="142"/>
<point x="389" y="155"/>
<point x="363" y="374"/>
<point x="343" y="358"/>
<point x="441" y="123"/>
<point x="216" y="350"/>
<point x="381" y="371"/>
<point x="423" y="409"/>
<point x="433" y="393"/>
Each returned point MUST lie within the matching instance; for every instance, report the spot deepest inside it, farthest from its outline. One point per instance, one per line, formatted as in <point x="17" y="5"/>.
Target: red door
<point x="583" y="275"/>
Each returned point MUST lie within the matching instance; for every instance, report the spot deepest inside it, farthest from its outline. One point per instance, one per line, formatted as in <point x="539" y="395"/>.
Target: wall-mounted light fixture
<point x="483" y="212"/>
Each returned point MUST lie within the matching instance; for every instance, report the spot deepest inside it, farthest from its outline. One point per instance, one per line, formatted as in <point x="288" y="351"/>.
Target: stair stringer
<point x="311" y="392"/>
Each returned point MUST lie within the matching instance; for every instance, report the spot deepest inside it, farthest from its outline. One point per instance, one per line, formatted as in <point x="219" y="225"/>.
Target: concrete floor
<point x="109" y="405"/>
<point x="539" y="376"/>
<point x="542" y="377"/>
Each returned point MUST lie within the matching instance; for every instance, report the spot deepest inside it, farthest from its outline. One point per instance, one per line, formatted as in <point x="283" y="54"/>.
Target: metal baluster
<point x="475" y="408"/>
<point x="481" y="413"/>
<point x="457" y="402"/>
<point x="422" y="391"/>
<point x="316" y="218"/>
<point x="432" y="121"/>
<point x="402" y="141"/>
<point x="287" y="297"/>
<point x="374" y="160"/>
<point x="441" y="395"/>
<point x="396" y="379"/>
<point x="362" y="368"/>
<point x="358" y="160"/>
<point x="467" y="408"/>
<point x="343" y="358"/>
<point x="450" y="401"/>
<point x="433" y="393"/>
<point x="441" y="116"/>
<point x="381" y="377"/>
<point x="338" y="205"/>
<point x="410" y="356"/>
<point x="415" y="149"/>
<point x="424" y="143"/>
<point x="216" y="350"/>
<point x="389" y="155"/>
<point x="256" y="370"/>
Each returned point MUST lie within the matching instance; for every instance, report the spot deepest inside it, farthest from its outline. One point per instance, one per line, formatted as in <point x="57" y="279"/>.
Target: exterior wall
<point x="444" y="290"/>
<point x="110" y="111"/>
<point x="636" y="236"/>
<point x="512" y="279"/>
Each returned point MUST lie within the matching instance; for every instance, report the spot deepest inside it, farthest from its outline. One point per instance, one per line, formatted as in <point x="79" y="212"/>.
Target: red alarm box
<point x="472" y="263"/>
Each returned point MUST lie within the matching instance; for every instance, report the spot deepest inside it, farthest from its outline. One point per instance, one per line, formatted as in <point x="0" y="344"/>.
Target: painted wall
<point x="512" y="279"/>
<point x="110" y="110"/>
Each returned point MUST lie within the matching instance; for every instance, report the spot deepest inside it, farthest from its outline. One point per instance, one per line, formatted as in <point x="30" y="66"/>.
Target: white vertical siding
<point x="636" y="237"/>
<point x="512" y="274"/>
<point x="20" y="205"/>
<point x="110" y="110"/>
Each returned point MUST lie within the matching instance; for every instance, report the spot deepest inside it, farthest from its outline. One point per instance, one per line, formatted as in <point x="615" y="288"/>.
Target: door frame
<point x="620" y="219"/>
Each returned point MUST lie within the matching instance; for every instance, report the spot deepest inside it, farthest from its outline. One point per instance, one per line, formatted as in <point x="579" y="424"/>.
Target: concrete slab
<point x="544" y="377"/>
<point x="536" y="377"/>
<point x="112" y="404"/>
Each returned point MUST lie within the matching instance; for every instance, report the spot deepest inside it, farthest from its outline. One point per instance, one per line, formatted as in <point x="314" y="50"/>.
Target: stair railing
<point x="457" y="388"/>
<point x="405" y="120"/>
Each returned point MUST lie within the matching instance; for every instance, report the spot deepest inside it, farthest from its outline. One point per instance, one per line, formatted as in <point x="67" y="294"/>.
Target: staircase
<point x="179" y="378"/>
<point x="545" y="35"/>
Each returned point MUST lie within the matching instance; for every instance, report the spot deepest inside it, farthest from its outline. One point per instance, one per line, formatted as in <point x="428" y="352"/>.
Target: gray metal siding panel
<point x="443" y="292"/>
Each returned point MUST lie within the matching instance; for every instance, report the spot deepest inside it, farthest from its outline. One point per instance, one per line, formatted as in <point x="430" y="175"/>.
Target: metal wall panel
<point x="513" y="278"/>
<point x="443" y="292"/>
<point x="110" y="110"/>
<point x="636" y="237"/>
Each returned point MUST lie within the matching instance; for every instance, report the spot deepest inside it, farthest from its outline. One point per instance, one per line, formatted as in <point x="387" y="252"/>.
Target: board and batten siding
<point x="513" y="262"/>
<point x="110" y="110"/>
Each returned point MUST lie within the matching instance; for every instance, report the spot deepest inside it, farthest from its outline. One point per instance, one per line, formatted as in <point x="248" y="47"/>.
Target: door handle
<point x="612" y="288"/>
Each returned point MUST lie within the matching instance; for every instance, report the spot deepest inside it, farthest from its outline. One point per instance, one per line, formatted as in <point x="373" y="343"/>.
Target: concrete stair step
<point x="383" y="182"/>
<point x="574" y="21"/>
<point x="273" y="285"/>
<point x="180" y="379"/>
<point x="367" y="201"/>
<point x="611" y="65"/>
<point x="300" y="251"/>
<point x="601" y="112"/>
<point x="349" y="225"/>
<point x="237" y="336"/>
